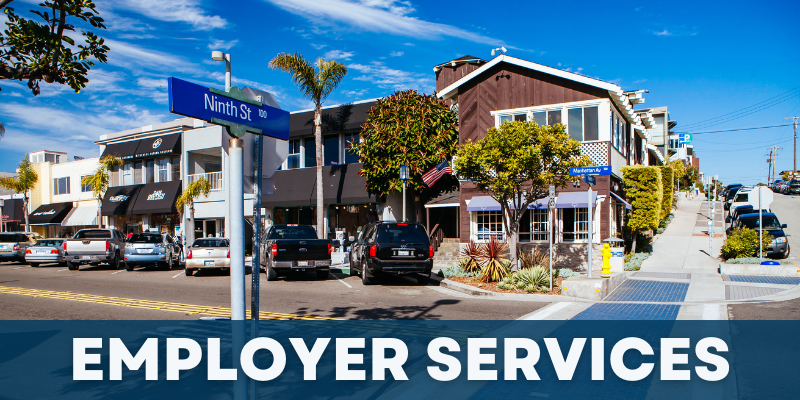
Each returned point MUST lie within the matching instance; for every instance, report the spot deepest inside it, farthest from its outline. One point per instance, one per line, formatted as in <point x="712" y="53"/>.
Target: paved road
<point x="786" y="207"/>
<point x="338" y="297"/>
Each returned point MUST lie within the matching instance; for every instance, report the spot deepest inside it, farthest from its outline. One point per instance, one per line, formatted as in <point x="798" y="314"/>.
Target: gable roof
<point x="615" y="92"/>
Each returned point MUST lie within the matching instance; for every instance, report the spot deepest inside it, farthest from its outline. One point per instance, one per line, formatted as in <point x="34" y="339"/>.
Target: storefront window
<point x="488" y="224"/>
<point x="164" y="222"/>
<point x="351" y="217"/>
<point x="176" y="168"/>
<point x="128" y="223"/>
<point x="534" y="226"/>
<point x="150" y="171"/>
<point x="163" y="170"/>
<point x="331" y="149"/>
<point x="575" y="224"/>
<point x="127" y="174"/>
<point x="310" y="147"/>
<point x="295" y="215"/>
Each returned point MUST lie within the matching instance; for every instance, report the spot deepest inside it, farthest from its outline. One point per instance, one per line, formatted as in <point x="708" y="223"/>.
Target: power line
<point x="743" y="112"/>
<point x="737" y="129"/>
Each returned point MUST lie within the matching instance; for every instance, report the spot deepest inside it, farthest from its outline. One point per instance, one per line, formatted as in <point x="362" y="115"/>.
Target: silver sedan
<point x="45" y="251"/>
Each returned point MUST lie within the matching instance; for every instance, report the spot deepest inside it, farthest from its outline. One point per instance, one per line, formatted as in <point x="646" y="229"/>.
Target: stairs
<point x="448" y="254"/>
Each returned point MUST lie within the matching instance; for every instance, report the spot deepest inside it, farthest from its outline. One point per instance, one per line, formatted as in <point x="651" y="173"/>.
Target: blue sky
<point x="701" y="59"/>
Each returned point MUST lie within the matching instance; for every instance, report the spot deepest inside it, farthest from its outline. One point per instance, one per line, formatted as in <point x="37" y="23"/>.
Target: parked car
<point x="355" y="247"/>
<point x="742" y="197"/>
<point x="95" y="247"/>
<point x="793" y="187"/>
<point x="397" y="248"/>
<point x="729" y="187"/>
<point x="729" y="195"/>
<point x="295" y="248"/>
<point x="779" y="248"/>
<point x="156" y="249"/>
<point x="777" y="185"/>
<point x="45" y="251"/>
<point x="208" y="253"/>
<point x="744" y="209"/>
<point x="14" y="244"/>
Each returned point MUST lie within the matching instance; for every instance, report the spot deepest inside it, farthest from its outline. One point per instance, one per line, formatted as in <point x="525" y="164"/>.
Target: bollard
<point x="606" y="252"/>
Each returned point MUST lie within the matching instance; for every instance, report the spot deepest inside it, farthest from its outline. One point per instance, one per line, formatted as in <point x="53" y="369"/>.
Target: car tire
<point x="788" y="250"/>
<point x="34" y="265"/>
<point x="272" y="275"/>
<point x="366" y="277"/>
<point x="72" y="266"/>
<point x="128" y="267"/>
<point x="115" y="264"/>
<point x="322" y="275"/>
<point x="423" y="279"/>
<point x="188" y="271"/>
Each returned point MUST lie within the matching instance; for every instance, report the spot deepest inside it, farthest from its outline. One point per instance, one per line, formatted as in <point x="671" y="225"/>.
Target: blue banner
<point x="191" y="100"/>
<point x="401" y="359"/>
<point x="603" y="170"/>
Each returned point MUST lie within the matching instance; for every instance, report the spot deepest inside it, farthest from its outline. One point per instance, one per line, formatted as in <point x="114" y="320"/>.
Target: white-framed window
<point x="580" y="118"/>
<point x="61" y="185"/>
<point x="293" y="161"/>
<point x="487" y="224"/>
<point x="84" y="187"/>
<point x="535" y="226"/>
<point x="619" y="128"/>
<point x="162" y="170"/>
<point x="574" y="224"/>
<point x="126" y="174"/>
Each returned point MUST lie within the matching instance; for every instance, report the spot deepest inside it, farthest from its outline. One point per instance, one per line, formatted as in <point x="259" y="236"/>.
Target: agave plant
<point x="537" y="277"/>
<point x="471" y="253"/>
<point x="492" y="258"/>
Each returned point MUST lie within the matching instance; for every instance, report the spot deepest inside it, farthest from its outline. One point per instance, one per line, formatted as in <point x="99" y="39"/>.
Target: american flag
<point x="436" y="172"/>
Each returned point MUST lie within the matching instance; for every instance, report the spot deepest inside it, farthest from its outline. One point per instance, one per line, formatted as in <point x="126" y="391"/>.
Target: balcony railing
<point x="215" y="178"/>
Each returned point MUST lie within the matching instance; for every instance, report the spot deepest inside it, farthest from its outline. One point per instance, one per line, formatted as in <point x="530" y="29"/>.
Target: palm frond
<point x="302" y="72"/>
<point x="330" y="74"/>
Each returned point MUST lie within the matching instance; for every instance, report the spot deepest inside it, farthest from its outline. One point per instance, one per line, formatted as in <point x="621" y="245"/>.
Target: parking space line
<point x="19" y="267"/>
<point x="177" y="275"/>
<point x="343" y="282"/>
<point x="62" y="270"/>
<point x="114" y="273"/>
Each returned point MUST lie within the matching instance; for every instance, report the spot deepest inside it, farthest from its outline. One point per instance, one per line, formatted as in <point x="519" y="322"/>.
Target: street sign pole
<point x="550" y="203"/>
<point x="760" y="228"/>
<point x="589" y="176"/>
<point x="590" y="238"/>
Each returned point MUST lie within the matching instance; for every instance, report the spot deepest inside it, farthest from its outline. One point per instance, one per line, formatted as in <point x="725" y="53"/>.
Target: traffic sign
<point x="602" y="170"/>
<point x="590" y="179"/>
<point x="220" y="107"/>
<point x="761" y="198"/>
<point x="685" y="138"/>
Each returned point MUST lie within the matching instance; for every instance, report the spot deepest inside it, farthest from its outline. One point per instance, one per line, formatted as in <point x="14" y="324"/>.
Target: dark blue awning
<point x="627" y="205"/>
<point x="487" y="203"/>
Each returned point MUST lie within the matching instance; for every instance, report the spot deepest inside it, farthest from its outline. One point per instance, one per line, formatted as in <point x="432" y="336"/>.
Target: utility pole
<point x="794" y="167"/>
<point x="769" y="169"/>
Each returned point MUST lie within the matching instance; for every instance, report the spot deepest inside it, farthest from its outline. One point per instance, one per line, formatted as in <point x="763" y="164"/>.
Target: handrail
<point x="214" y="178"/>
<point x="436" y="237"/>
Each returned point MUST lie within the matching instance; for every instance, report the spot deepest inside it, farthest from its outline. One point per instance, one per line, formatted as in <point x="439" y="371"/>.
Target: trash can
<point x="617" y="261"/>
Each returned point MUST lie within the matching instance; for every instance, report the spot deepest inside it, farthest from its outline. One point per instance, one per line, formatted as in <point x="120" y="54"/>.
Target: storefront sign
<point x="157" y="195"/>
<point x="118" y="199"/>
<point x="191" y="100"/>
<point x="50" y="212"/>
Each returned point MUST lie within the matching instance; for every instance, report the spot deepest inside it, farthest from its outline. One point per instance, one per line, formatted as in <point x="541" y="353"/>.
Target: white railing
<point x="214" y="177"/>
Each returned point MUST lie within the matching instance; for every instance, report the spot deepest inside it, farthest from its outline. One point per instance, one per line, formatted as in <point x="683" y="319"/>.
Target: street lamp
<point x="404" y="178"/>
<point x="220" y="56"/>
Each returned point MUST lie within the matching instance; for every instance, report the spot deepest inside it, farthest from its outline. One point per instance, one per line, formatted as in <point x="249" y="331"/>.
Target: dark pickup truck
<point x="289" y="248"/>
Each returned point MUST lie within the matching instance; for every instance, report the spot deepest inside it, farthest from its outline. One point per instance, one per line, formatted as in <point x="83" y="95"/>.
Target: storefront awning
<point x="85" y="214"/>
<point x="627" y="205"/>
<point x="159" y="146"/>
<point x="119" y="200"/>
<point x="124" y="150"/>
<point x="297" y="187"/>
<point x="574" y="199"/>
<point x="12" y="211"/>
<point x="50" y="214"/>
<point x="487" y="203"/>
<point x="157" y="198"/>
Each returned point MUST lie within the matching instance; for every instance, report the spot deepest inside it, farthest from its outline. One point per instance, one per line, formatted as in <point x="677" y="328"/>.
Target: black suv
<point x="398" y="248"/>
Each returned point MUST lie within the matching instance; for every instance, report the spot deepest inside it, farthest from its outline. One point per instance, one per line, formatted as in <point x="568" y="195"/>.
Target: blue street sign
<point x="603" y="170"/>
<point x="590" y="179"/>
<point x="685" y="138"/>
<point x="191" y="100"/>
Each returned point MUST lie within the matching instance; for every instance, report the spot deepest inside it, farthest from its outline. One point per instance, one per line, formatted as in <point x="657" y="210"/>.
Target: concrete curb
<point x="478" y="292"/>
<point x="757" y="269"/>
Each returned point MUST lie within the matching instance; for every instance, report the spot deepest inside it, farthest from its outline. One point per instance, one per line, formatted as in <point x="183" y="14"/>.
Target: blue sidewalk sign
<point x="603" y="170"/>
<point x="191" y="100"/>
<point x="590" y="179"/>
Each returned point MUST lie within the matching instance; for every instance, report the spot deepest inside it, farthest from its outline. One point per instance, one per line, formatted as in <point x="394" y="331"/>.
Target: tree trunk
<point x="100" y="214"/>
<point x="633" y="243"/>
<point x="25" y="208"/>
<point x="189" y="234"/>
<point x="318" y="140"/>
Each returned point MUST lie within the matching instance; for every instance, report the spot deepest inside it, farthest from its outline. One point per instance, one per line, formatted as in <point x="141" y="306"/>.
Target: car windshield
<point x="9" y="237"/>
<point x="740" y="197"/>
<point x="292" y="232"/>
<point x="95" y="234"/>
<point x="144" y="238"/>
<point x="769" y="223"/>
<point x="49" y="243"/>
<point x="733" y="192"/>
<point x="401" y="233"/>
<point x="210" y="243"/>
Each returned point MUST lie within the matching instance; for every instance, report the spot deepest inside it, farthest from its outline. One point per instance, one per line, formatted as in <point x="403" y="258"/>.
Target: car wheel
<point x="72" y="266"/>
<point x="366" y="277"/>
<point x="115" y="262"/>
<point x="423" y="279"/>
<point x="788" y="249"/>
<point x="322" y="274"/>
<point x="272" y="275"/>
<point x="128" y="267"/>
<point x="188" y="272"/>
<point x="34" y="265"/>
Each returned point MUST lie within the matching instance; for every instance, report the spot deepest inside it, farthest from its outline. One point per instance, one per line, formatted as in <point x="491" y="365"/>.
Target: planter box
<point x="592" y="289"/>
<point x="757" y="269"/>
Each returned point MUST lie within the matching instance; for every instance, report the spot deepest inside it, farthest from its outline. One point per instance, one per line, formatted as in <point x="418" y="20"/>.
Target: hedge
<point x="667" y="185"/>
<point x="643" y="188"/>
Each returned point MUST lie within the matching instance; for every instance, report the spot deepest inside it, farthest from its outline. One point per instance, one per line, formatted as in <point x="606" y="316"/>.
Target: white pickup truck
<point x="94" y="247"/>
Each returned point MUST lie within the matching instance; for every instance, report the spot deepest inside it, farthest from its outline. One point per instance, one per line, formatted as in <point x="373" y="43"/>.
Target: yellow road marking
<point x="191" y="309"/>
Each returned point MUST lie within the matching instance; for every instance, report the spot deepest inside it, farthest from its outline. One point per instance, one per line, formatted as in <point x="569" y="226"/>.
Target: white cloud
<point x="222" y="45"/>
<point x="397" y="54"/>
<point x="389" y="78"/>
<point x="374" y="16"/>
<point x="355" y="93"/>
<point x="118" y="23"/>
<point x="318" y="46"/>
<point x="333" y="54"/>
<point x="393" y="6"/>
<point x="137" y="36"/>
<point x="136" y="58"/>
<point x="663" y="33"/>
<point x="188" y="11"/>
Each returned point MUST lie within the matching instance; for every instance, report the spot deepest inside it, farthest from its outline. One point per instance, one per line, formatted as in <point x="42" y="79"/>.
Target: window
<point x="84" y="187"/>
<point x="575" y="123"/>
<point x="553" y="117"/>
<point x="293" y="161"/>
<point x="488" y="224"/>
<point x="61" y="185"/>
<point x="138" y="172"/>
<point x="212" y="166"/>
<point x="331" y="149"/>
<point x="590" y="128"/>
<point x="127" y="174"/>
<point x="176" y="168"/>
<point x="51" y="158"/>
<point x="349" y="139"/>
<point x="163" y="170"/>
<point x="619" y="137"/>
<point x="575" y="224"/>
<point x="310" y="147"/>
<point x="534" y="226"/>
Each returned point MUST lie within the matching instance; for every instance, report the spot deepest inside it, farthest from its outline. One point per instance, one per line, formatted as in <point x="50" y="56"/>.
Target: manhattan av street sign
<point x="231" y="109"/>
<point x="602" y="170"/>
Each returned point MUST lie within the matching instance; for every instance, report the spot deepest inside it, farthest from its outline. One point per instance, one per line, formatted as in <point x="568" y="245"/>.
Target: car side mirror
<point x="783" y="226"/>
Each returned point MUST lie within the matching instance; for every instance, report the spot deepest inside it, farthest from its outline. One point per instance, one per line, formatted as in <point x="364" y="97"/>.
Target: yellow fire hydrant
<point x="606" y="272"/>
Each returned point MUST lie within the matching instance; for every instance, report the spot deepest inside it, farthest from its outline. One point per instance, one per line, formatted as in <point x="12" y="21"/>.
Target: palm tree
<point x="25" y="180"/>
<point x="316" y="82"/>
<point x="195" y="189"/>
<point x="100" y="180"/>
<point x="2" y="130"/>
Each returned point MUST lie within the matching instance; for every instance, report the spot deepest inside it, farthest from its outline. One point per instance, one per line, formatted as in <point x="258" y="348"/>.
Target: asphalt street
<point x="338" y="297"/>
<point x="786" y="208"/>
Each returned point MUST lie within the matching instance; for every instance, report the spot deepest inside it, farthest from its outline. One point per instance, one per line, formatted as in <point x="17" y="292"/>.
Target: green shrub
<point x="633" y="262"/>
<point x="743" y="242"/>
<point x="457" y="271"/>
<point x="753" y="260"/>
<point x="471" y="253"/>
<point x="495" y="265"/>
<point x="667" y="183"/>
<point x="537" y="277"/>
<point x="565" y="273"/>
<point x="534" y="258"/>
<point x="644" y="190"/>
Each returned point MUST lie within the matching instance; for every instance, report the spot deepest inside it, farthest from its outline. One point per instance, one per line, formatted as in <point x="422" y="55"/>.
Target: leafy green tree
<point x="667" y="187"/>
<point x="45" y="51"/>
<point x="100" y="180"/>
<point x="516" y="163"/>
<point x="406" y="128"/>
<point x="743" y="242"/>
<point x="200" y="187"/>
<point x="643" y="187"/>
<point x="25" y="181"/>
<point x="316" y="81"/>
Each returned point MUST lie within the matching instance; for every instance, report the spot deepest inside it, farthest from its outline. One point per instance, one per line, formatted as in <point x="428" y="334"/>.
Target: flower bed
<point x="492" y="286"/>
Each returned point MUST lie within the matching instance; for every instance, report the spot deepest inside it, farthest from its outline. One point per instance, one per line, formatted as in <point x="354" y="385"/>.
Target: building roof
<point x="616" y="93"/>
<point x="301" y="123"/>
<point x="464" y="59"/>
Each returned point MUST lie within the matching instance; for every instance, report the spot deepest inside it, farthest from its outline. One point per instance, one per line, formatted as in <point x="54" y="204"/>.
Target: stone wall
<point x="570" y="256"/>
